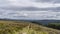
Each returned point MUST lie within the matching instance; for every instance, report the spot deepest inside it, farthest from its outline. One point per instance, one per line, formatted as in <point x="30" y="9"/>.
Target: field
<point x="21" y="27"/>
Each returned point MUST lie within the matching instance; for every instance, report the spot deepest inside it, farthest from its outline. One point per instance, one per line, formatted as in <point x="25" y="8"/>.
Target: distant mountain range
<point x="35" y="21"/>
<point x="47" y="21"/>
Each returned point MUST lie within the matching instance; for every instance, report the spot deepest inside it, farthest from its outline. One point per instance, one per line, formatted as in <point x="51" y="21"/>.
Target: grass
<point x="20" y="27"/>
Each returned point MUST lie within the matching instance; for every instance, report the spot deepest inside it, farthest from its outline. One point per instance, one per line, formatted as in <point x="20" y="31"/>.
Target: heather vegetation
<point x="21" y="27"/>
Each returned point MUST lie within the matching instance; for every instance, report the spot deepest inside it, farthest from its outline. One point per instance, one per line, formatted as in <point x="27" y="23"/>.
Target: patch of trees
<point x="54" y="25"/>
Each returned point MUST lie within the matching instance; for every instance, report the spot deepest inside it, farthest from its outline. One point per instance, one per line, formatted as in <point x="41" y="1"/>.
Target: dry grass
<point x="19" y="27"/>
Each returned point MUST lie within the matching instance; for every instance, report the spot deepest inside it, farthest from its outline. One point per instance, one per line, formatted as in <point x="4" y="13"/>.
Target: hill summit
<point x="20" y="27"/>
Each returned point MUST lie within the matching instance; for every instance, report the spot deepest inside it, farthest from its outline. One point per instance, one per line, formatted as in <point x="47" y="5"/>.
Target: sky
<point x="30" y="9"/>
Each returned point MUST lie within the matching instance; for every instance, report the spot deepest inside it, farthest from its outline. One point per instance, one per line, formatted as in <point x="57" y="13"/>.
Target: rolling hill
<point x="21" y="27"/>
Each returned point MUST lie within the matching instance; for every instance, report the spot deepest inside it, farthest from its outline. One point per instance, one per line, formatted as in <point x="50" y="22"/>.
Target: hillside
<point x="21" y="27"/>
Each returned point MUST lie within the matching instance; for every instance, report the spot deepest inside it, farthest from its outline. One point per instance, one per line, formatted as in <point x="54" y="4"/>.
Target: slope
<point x="21" y="27"/>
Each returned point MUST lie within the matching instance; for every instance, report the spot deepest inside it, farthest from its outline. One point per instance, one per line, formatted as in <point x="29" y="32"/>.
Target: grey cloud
<point x="31" y="9"/>
<point x="43" y="0"/>
<point x="3" y="2"/>
<point x="31" y="15"/>
<point x="15" y="12"/>
<point x="51" y="1"/>
<point x="21" y="8"/>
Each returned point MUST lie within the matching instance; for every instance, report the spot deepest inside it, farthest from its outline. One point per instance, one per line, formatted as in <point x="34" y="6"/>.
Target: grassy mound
<point x="15" y="27"/>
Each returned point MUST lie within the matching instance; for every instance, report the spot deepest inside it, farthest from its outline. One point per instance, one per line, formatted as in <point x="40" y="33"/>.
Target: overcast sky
<point x="30" y="9"/>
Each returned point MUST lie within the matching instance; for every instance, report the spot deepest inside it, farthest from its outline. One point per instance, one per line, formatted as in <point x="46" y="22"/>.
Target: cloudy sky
<point x="30" y="9"/>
